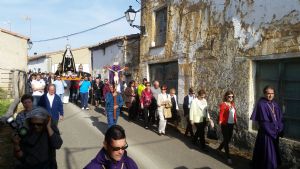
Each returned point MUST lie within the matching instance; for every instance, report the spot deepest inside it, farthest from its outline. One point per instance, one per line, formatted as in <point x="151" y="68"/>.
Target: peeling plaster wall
<point x="214" y="42"/>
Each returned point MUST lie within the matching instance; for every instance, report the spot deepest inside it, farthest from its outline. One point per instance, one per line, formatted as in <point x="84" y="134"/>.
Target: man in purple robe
<point x="113" y="154"/>
<point x="268" y="115"/>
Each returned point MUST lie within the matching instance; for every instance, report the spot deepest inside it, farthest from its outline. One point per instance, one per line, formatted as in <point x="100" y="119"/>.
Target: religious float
<point x="67" y="69"/>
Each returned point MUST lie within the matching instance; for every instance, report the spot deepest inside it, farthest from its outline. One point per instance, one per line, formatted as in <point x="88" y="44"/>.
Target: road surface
<point x="83" y="135"/>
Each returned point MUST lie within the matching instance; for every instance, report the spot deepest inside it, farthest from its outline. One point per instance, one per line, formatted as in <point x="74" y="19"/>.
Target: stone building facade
<point x="228" y="45"/>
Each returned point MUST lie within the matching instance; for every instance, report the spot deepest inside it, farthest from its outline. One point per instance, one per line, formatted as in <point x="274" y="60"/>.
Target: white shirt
<point x="231" y="115"/>
<point x="50" y="98"/>
<point x="161" y="98"/>
<point x="60" y="86"/>
<point x="38" y="84"/>
<point x="191" y="98"/>
<point x="175" y="98"/>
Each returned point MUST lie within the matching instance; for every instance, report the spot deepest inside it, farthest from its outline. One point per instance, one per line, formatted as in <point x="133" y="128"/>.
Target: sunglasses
<point x="230" y="96"/>
<point x="37" y="124"/>
<point x="119" y="148"/>
<point x="163" y="89"/>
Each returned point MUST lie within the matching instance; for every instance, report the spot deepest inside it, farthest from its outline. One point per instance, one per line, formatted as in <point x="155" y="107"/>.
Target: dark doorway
<point x="165" y="73"/>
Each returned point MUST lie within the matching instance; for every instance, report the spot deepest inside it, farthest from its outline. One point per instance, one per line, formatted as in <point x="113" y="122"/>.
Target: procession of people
<point x="156" y="105"/>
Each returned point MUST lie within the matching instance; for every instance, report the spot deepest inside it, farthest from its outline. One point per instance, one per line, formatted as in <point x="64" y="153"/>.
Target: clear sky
<point x="53" y="18"/>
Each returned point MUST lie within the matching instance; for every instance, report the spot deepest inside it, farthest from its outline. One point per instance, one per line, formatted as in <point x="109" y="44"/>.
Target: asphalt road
<point x="83" y="134"/>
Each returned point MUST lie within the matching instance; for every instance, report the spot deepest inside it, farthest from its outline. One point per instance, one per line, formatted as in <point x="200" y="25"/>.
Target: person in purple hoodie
<point x="268" y="114"/>
<point x="113" y="154"/>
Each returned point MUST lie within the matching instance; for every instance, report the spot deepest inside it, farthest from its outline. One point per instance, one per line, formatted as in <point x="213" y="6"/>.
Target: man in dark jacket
<point x="113" y="154"/>
<point x="36" y="150"/>
<point x="186" y="109"/>
<point x="53" y="104"/>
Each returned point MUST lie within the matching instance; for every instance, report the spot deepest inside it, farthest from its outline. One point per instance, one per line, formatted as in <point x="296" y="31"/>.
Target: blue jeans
<point x="110" y="119"/>
<point x="84" y="99"/>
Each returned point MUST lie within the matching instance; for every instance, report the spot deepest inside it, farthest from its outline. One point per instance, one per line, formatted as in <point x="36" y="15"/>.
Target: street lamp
<point x="130" y="17"/>
<point x="29" y="43"/>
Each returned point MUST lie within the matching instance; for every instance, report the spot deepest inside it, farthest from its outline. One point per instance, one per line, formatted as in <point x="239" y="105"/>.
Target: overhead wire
<point x="87" y="30"/>
<point x="80" y="32"/>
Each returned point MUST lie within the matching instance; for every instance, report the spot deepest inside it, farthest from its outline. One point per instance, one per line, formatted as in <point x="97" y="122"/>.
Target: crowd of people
<point x="154" y="105"/>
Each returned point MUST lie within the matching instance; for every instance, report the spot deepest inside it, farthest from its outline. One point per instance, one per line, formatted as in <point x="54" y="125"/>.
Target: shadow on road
<point x="101" y="126"/>
<point x="172" y="132"/>
<point x="69" y="156"/>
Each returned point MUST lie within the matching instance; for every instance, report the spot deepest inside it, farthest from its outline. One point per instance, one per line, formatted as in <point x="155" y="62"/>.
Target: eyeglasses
<point x="230" y="96"/>
<point x="119" y="148"/>
<point x="37" y="124"/>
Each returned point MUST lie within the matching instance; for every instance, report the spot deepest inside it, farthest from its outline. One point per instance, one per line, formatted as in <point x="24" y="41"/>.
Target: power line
<point x="76" y="33"/>
<point x="87" y="30"/>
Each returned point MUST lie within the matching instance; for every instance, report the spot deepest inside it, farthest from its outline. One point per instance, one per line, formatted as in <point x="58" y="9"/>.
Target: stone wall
<point x="215" y="43"/>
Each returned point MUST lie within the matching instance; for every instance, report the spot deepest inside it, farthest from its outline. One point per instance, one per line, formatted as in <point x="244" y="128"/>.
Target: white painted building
<point x="41" y="63"/>
<point x="122" y="49"/>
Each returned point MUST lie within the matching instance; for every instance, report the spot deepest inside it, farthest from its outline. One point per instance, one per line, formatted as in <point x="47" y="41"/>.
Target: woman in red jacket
<point x="227" y="118"/>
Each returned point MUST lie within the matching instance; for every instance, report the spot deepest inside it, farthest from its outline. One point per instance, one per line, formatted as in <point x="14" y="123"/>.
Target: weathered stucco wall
<point x="214" y="42"/>
<point x="13" y="52"/>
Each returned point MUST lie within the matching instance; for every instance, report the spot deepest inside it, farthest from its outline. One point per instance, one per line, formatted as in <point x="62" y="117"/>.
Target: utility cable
<point x="87" y="30"/>
<point x="76" y="33"/>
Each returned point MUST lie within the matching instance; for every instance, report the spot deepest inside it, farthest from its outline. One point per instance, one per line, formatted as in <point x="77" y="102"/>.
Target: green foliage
<point x="4" y="105"/>
<point x="3" y="93"/>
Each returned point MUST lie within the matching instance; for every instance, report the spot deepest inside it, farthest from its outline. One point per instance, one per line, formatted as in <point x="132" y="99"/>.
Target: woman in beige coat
<point x="162" y="100"/>
<point x="199" y="116"/>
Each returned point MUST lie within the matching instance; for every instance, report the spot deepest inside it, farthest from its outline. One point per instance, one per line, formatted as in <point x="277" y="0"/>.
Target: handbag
<point x="212" y="133"/>
<point x="167" y="112"/>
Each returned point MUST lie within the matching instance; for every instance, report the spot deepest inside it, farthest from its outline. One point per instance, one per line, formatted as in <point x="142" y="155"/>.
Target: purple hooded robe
<point x="103" y="161"/>
<point x="266" y="151"/>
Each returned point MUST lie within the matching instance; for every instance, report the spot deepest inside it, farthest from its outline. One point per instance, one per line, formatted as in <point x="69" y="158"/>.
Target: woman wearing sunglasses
<point x="227" y="118"/>
<point x="162" y="100"/>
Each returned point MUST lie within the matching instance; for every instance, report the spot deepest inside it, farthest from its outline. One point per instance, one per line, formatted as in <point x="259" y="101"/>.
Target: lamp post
<point x="130" y="17"/>
<point x="29" y="43"/>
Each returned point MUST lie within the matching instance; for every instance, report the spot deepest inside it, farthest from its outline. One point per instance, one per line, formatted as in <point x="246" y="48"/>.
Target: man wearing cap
<point x="36" y="150"/>
<point x="113" y="154"/>
<point x="53" y="104"/>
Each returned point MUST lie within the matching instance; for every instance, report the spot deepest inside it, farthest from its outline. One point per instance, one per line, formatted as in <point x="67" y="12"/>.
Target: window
<point x="284" y="75"/>
<point x="161" y="26"/>
<point x="169" y="77"/>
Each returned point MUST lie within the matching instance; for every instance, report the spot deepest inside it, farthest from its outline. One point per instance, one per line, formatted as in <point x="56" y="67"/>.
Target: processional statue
<point x="67" y="68"/>
<point x="115" y="72"/>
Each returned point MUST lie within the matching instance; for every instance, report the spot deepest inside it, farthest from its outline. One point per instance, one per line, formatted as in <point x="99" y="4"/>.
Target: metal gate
<point x="165" y="73"/>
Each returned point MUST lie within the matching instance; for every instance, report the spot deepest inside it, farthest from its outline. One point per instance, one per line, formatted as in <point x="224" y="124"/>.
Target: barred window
<point x="284" y="75"/>
<point x="161" y="27"/>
